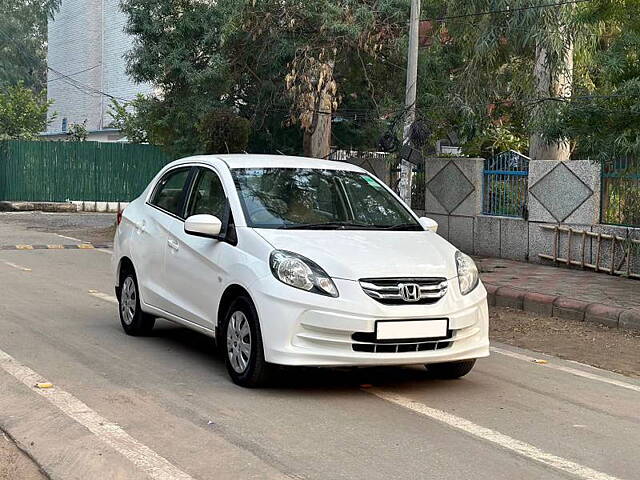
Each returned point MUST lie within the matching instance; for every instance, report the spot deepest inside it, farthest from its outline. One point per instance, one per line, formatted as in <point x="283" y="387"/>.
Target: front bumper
<point x="306" y="329"/>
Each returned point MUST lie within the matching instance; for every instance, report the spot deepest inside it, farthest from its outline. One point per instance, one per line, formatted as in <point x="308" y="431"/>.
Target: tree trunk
<point x="551" y="83"/>
<point x="317" y="138"/>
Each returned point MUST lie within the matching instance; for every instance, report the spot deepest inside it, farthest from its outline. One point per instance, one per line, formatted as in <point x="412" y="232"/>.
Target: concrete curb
<point x="63" y="207"/>
<point x="38" y="206"/>
<point x="563" y="307"/>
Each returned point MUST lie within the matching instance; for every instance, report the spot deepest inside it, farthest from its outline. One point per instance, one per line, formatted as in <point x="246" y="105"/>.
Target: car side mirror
<point x="429" y="224"/>
<point x="203" y="226"/>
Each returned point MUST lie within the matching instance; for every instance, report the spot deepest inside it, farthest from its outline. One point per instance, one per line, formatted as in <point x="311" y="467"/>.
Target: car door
<point x="162" y="211"/>
<point x="194" y="266"/>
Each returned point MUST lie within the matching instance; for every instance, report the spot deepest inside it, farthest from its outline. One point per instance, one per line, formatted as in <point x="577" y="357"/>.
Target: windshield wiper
<point x="404" y="226"/>
<point x="328" y="226"/>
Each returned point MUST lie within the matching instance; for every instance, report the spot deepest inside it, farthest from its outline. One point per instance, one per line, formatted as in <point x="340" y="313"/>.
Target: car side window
<point x="207" y="196"/>
<point x="168" y="193"/>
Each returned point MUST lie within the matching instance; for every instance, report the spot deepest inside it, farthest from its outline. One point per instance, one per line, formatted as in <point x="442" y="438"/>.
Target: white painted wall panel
<point x="88" y="43"/>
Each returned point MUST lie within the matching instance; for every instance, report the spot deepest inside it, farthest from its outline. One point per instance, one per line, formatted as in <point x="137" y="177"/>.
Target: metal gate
<point x="505" y="185"/>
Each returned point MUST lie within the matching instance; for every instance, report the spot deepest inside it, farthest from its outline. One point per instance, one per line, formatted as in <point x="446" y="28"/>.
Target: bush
<point x="222" y="131"/>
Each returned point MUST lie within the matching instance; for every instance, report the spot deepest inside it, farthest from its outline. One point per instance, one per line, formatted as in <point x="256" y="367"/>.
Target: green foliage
<point x="236" y="55"/>
<point x="222" y="131"/>
<point x="479" y="80"/>
<point x="603" y="117"/>
<point x="23" y="41"/>
<point x="77" y="132"/>
<point x="621" y="194"/>
<point x="130" y="118"/>
<point x="23" y="113"/>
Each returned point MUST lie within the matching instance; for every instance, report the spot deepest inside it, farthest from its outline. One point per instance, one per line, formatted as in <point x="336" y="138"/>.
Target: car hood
<point x="356" y="254"/>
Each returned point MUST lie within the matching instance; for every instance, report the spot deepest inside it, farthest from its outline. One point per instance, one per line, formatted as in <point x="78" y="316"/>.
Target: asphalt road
<point x="162" y="407"/>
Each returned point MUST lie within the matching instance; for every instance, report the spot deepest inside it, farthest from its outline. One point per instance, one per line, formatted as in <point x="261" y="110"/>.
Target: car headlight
<point x="302" y="273"/>
<point x="468" y="276"/>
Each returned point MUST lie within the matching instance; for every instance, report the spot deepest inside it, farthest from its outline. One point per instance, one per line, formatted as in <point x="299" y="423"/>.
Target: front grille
<point x="403" y="291"/>
<point x="398" y="346"/>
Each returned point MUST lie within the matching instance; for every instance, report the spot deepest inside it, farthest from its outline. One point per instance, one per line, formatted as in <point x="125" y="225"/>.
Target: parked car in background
<point x="295" y="261"/>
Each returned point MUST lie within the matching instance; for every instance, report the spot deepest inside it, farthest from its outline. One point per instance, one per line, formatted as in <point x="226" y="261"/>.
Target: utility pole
<point x="410" y="101"/>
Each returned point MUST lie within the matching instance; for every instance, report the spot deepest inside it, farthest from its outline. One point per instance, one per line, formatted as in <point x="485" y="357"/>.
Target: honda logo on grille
<point x="410" y="292"/>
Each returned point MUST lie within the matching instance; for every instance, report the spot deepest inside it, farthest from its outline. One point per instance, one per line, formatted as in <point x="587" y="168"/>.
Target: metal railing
<point x="620" y="193"/>
<point x="378" y="163"/>
<point x="505" y="185"/>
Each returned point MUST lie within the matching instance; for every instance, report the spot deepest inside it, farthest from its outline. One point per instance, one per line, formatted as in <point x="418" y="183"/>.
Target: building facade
<point x="87" y="68"/>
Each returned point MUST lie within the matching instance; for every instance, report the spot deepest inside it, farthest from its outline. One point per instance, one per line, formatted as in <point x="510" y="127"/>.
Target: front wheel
<point x="134" y="321"/>
<point x="450" y="370"/>
<point x="244" y="353"/>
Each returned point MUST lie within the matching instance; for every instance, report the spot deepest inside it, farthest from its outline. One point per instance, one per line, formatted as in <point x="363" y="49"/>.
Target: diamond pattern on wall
<point x="561" y="192"/>
<point x="441" y="187"/>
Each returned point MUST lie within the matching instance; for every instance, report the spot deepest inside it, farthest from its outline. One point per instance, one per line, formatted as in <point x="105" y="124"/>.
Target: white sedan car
<point x="295" y="261"/>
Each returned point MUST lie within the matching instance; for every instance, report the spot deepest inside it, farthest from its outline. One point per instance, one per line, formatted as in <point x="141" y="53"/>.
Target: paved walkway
<point x="567" y="292"/>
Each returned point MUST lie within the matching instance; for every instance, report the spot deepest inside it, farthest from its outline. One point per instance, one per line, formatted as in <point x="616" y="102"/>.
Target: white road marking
<point x="70" y="238"/>
<point x="155" y="466"/>
<point x="521" y="448"/>
<point x="103" y="296"/>
<point x="16" y="266"/>
<point x="572" y="371"/>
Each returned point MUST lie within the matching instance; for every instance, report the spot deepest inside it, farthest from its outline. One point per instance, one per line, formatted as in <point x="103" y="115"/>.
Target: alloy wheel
<point x="239" y="342"/>
<point x="128" y="301"/>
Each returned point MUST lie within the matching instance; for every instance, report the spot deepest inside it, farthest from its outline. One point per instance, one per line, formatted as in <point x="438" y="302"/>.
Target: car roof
<point x="250" y="160"/>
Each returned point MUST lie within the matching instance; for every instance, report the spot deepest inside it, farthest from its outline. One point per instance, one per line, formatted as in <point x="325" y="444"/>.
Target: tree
<point x="519" y="57"/>
<point x="603" y="117"/>
<point x="280" y="64"/>
<point x="178" y="49"/>
<point x="319" y="41"/>
<point x="23" y="113"/>
<point x="78" y="132"/>
<point x="131" y="120"/>
<point x="224" y="131"/>
<point x="23" y="41"/>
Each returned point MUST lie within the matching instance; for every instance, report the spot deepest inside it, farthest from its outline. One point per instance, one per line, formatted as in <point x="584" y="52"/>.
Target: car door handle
<point x="173" y="245"/>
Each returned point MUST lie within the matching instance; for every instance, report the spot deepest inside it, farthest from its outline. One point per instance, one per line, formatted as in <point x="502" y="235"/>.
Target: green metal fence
<point x="620" y="192"/>
<point x="61" y="171"/>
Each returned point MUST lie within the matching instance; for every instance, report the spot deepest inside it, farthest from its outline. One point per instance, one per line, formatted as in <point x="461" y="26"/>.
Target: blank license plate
<point x="412" y="329"/>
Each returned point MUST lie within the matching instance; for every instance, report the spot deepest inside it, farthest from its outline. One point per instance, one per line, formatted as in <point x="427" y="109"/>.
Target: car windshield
<point x="305" y="198"/>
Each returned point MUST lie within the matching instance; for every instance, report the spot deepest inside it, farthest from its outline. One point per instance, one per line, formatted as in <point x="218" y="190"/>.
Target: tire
<point x="450" y="370"/>
<point x="241" y="341"/>
<point x="134" y="321"/>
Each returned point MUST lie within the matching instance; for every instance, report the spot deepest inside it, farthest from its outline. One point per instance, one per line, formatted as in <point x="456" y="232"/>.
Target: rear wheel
<point x="134" y="321"/>
<point x="450" y="370"/>
<point x="242" y="341"/>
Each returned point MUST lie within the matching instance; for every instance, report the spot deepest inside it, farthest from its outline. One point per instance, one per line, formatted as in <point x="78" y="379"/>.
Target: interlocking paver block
<point x="583" y="285"/>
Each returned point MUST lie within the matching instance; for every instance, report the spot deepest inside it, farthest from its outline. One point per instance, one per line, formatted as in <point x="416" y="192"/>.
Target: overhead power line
<point x="74" y="73"/>
<point x="33" y="61"/>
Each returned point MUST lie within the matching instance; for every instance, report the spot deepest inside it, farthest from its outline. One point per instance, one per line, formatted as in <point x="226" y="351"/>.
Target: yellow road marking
<point x="55" y="247"/>
<point x="86" y="246"/>
<point x="24" y="247"/>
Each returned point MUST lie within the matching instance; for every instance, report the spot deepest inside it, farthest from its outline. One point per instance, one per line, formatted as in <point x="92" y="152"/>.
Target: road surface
<point x="162" y="407"/>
